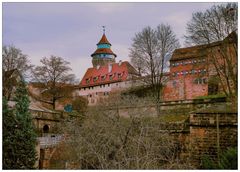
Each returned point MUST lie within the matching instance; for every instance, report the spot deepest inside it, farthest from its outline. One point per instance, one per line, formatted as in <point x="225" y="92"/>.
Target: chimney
<point x="109" y="68"/>
<point x="120" y="62"/>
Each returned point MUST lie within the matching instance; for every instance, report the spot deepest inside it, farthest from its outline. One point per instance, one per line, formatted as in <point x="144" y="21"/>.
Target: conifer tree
<point x="21" y="150"/>
<point x="9" y="124"/>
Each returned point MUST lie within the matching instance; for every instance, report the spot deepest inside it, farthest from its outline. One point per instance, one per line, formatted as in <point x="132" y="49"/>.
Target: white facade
<point x="95" y="93"/>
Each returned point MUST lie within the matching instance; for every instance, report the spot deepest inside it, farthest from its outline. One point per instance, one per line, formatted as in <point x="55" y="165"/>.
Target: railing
<point x="50" y="141"/>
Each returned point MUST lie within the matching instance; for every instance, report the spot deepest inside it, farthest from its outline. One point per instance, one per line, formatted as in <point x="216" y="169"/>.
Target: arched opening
<point x="45" y="129"/>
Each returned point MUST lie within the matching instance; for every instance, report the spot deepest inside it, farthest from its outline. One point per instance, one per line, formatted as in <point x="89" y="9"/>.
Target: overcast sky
<point x="72" y="30"/>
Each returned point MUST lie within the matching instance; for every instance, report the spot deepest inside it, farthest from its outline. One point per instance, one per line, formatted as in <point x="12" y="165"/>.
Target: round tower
<point x="103" y="55"/>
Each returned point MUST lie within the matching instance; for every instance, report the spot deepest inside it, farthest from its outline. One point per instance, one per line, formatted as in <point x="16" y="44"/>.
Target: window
<point x="103" y="77"/>
<point x="88" y="80"/>
<point x="105" y="93"/>
<point x="108" y="85"/>
<point x="84" y="88"/>
<point x="203" y="71"/>
<point x="119" y="75"/>
<point x="111" y="76"/>
<point x="212" y="88"/>
<point x="95" y="79"/>
<point x="174" y="83"/>
<point x="200" y="81"/>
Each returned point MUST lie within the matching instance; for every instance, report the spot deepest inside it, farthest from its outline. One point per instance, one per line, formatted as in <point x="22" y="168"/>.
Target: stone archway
<point x="46" y="129"/>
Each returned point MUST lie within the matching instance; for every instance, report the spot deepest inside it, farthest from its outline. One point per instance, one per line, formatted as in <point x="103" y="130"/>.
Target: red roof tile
<point x="95" y="76"/>
<point x="104" y="40"/>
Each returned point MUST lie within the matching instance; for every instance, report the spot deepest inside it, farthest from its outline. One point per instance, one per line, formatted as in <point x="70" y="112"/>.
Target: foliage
<point x="19" y="137"/>
<point x="212" y="25"/>
<point x="141" y="91"/>
<point x="80" y="104"/>
<point x="216" y="96"/>
<point x="9" y="125"/>
<point x="228" y="160"/>
<point x="53" y="79"/>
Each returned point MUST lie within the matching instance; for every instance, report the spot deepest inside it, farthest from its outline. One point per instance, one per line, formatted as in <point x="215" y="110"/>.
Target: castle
<point x="106" y="76"/>
<point x="192" y="73"/>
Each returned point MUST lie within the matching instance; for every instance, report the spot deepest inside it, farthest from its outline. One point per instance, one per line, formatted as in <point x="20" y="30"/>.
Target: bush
<point x="228" y="160"/>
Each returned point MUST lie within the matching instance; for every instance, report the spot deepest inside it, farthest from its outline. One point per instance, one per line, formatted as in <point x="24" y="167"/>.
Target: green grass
<point x="212" y="96"/>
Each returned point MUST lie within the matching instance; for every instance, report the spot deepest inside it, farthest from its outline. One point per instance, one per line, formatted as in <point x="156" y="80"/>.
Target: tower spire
<point x="103" y="29"/>
<point x="103" y="55"/>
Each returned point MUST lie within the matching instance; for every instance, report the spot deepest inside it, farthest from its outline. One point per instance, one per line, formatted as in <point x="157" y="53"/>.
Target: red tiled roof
<point x="104" y="40"/>
<point x="104" y="50"/>
<point x="102" y="76"/>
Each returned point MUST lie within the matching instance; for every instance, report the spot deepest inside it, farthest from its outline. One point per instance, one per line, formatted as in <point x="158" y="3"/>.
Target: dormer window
<point x="103" y="77"/>
<point x="95" y="79"/>
<point x="120" y="75"/>
<point x="111" y="76"/>
<point x="88" y="80"/>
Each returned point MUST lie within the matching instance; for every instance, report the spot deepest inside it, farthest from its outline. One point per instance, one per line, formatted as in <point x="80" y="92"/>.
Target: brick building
<point x="192" y="73"/>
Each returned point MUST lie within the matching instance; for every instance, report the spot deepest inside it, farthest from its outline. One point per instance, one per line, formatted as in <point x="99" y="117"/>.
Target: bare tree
<point x="12" y="58"/>
<point x="53" y="79"/>
<point x="149" y="51"/>
<point x="212" y="25"/>
<point x="224" y="60"/>
<point x="106" y="140"/>
<point x="15" y="65"/>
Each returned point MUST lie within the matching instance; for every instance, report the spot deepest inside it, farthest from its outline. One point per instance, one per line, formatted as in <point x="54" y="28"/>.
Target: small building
<point x="193" y="73"/>
<point x="106" y="76"/>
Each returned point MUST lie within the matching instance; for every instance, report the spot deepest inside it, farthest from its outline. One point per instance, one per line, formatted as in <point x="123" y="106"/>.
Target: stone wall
<point x="197" y="136"/>
<point x="207" y="129"/>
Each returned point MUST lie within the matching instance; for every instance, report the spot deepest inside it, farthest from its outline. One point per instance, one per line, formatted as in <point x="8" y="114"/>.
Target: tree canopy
<point x="53" y="79"/>
<point x="19" y="138"/>
<point x="212" y="25"/>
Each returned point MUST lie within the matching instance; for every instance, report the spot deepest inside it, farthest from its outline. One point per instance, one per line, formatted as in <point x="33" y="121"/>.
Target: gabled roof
<point x="119" y="72"/>
<point x="103" y="40"/>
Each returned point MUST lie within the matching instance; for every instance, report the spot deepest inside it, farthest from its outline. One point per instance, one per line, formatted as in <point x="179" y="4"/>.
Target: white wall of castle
<point x="94" y="93"/>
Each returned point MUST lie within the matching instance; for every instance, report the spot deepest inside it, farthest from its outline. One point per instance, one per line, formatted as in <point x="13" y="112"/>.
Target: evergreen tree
<point x="9" y="124"/>
<point x="21" y="150"/>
